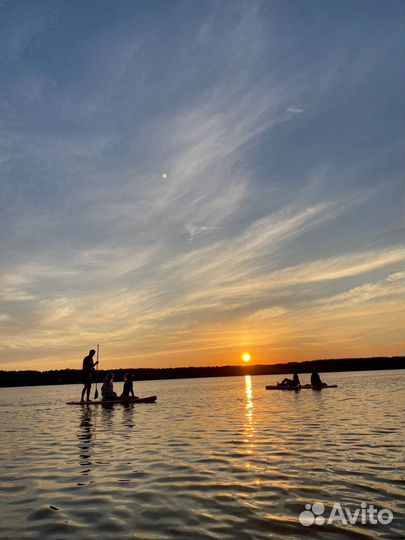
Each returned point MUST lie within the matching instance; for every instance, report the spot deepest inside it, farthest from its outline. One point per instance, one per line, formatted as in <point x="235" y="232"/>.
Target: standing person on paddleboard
<point x="87" y="373"/>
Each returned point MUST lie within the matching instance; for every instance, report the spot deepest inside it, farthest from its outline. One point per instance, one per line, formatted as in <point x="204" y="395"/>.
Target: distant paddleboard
<point x="149" y="399"/>
<point x="296" y="388"/>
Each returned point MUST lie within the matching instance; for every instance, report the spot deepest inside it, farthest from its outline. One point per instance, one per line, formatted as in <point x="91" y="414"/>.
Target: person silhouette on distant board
<point x="293" y="383"/>
<point x="87" y="373"/>
<point x="316" y="380"/>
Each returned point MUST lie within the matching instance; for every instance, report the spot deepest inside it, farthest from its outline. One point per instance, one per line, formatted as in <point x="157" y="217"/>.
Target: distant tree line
<point x="72" y="376"/>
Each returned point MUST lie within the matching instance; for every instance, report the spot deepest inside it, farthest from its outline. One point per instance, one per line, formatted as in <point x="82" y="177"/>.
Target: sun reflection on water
<point x="249" y="408"/>
<point x="249" y="399"/>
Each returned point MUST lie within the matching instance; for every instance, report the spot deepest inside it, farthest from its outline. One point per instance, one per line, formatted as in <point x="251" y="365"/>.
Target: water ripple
<point x="214" y="458"/>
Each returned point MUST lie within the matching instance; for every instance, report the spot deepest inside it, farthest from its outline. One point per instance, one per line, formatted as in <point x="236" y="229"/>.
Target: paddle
<point x="96" y="392"/>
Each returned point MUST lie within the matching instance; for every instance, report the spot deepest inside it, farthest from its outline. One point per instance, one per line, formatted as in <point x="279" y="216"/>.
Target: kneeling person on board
<point x="128" y="389"/>
<point x="87" y="373"/>
<point x="316" y="380"/>
<point x="107" y="390"/>
<point x="295" y="381"/>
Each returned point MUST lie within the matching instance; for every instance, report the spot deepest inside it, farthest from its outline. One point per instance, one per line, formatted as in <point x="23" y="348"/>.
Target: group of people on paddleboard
<point x="108" y="393"/>
<point x="107" y="389"/>
<point x="296" y="383"/>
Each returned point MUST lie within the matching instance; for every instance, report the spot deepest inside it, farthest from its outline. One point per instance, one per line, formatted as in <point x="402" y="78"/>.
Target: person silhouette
<point x="128" y="389"/>
<point x="316" y="380"/>
<point x="107" y="390"/>
<point x="87" y="373"/>
<point x="294" y="382"/>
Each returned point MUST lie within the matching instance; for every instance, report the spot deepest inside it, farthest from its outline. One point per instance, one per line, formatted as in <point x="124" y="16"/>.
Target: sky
<point x="184" y="181"/>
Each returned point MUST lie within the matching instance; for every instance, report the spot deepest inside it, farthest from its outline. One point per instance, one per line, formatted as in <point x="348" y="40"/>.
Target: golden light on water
<point x="248" y="393"/>
<point x="249" y="400"/>
<point x="249" y="426"/>
<point x="246" y="357"/>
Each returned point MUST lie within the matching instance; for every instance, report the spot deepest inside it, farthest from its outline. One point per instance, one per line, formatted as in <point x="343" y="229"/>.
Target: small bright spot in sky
<point x="164" y="175"/>
<point x="246" y="357"/>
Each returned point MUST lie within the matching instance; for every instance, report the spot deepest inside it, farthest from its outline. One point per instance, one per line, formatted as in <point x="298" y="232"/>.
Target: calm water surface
<point x="218" y="458"/>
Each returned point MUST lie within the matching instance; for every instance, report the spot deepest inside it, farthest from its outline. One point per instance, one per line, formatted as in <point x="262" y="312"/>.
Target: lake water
<point x="218" y="458"/>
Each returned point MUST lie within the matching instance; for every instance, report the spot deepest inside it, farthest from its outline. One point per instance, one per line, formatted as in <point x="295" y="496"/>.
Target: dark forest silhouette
<point x="72" y="376"/>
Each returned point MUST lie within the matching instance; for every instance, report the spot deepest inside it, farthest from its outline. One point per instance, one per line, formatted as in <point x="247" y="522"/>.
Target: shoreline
<point x="11" y="379"/>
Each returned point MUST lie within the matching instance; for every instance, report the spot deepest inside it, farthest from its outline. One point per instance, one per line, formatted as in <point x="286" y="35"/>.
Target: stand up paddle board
<point x="303" y="387"/>
<point x="149" y="399"/>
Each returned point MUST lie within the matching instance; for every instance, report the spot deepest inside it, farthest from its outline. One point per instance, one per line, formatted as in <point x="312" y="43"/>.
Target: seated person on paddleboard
<point x="316" y="380"/>
<point x="87" y="373"/>
<point x="107" y="390"/>
<point x="294" y="382"/>
<point x="128" y="389"/>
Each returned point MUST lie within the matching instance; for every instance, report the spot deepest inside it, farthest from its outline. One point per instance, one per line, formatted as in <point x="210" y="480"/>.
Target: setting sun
<point x="246" y="357"/>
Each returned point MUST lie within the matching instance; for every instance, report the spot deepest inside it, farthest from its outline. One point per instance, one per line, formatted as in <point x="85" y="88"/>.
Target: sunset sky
<point x="184" y="181"/>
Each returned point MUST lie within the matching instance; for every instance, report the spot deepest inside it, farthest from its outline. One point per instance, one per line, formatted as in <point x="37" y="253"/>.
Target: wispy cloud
<point x="295" y="110"/>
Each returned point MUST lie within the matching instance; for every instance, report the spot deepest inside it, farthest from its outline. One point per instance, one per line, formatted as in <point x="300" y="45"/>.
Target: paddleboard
<point x="149" y="399"/>
<point x="303" y="387"/>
